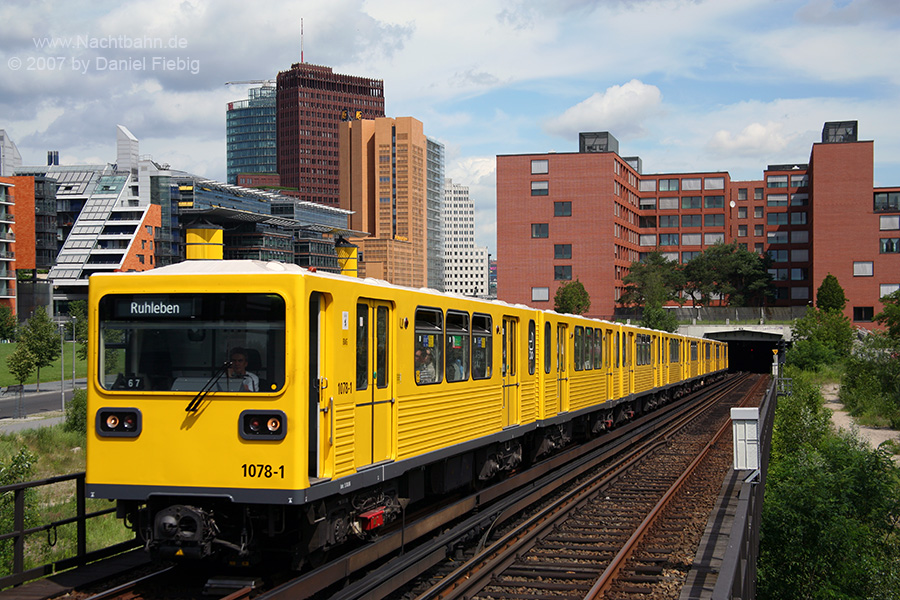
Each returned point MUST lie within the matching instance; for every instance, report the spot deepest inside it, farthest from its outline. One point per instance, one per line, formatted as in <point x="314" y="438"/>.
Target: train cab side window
<point x="674" y="354"/>
<point x="482" y="347"/>
<point x="458" y="344"/>
<point x="429" y="346"/>
<point x="577" y="350"/>
<point x="362" y="346"/>
<point x="598" y="348"/>
<point x="532" y="346"/>
<point x="548" y="344"/>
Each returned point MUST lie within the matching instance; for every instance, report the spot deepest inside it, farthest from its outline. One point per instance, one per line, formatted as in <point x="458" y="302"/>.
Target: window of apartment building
<point x="714" y="220"/>
<point x="668" y="185"/>
<point x="647" y="239"/>
<point x="648" y="203"/>
<point x="758" y="248"/>
<point x="800" y="293"/>
<point x="800" y="274"/>
<point x="540" y="167"/>
<point x="690" y="184"/>
<point x="799" y="181"/>
<point x="711" y="239"/>
<point x="562" y="251"/>
<point x="777" y="218"/>
<point x="758" y="230"/>
<point x="668" y="204"/>
<point x="777" y="237"/>
<point x="890" y="245"/>
<point x="647" y="222"/>
<point x="691" y="220"/>
<point x="799" y="199"/>
<point x="714" y="183"/>
<point x="887" y="201"/>
<point x="668" y="221"/>
<point x="742" y="212"/>
<point x="562" y="272"/>
<point x="742" y="193"/>
<point x="647" y="185"/>
<point x="863" y="313"/>
<point x="888" y="288"/>
<point x="686" y="256"/>
<point x="742" y="231"/>
<point x="668" y="239"/>
<point x="540" y="188"/>
<point x="540" y="230"/>
<point x="714" y="201"/>
<point x="778" y="256"/>
<point x="779" y="274"/>
<point x="798" y="218"/>
<point x="777" y="200"/>
<point x="800" y="255"/>
<point x="690" y="239"/>
<point x="889" y="222"/>
<point x="777" y="181"/>
<point x="562" y="209"/>
<point x="863" y="269"/>
<point x="673" y="256"/>
<point x="800" y="236"/>
<point x="540" y="294"/>
<point x="780" y="293"/>
<point x="757" y="193"/>
<point x="757" y="212"/>
<point x="692" y="202"/>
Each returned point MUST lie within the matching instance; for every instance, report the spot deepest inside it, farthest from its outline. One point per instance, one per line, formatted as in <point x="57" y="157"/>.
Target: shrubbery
<point x="18" y="469"/>
<point x="76" y="413"/>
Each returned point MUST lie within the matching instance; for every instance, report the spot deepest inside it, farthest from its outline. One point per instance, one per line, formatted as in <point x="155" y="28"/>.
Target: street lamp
<point x="73" y="354"/>
<point x="62" y="366"/>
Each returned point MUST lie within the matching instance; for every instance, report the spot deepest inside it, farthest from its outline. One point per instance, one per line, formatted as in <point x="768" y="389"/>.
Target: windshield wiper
<point x="198" y="399"/>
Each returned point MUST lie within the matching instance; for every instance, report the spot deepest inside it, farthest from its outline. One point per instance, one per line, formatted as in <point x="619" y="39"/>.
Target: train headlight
<point x="118" y="422"/>
<point x="268" y="425"/>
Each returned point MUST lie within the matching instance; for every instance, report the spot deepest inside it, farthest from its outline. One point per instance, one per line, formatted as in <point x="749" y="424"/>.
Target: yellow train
<point x="242" y="406"/>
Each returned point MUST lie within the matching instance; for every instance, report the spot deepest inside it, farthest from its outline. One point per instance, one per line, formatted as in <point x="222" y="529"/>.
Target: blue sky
<point x="700" y="85"/>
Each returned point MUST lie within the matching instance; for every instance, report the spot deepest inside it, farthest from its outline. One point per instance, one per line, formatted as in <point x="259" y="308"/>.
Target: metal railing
<point x="20" y="532"/>
<point x="737" y="575"/>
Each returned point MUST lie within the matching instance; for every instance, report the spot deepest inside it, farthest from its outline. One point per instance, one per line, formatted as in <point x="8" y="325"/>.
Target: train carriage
<point x="361" y="397"/>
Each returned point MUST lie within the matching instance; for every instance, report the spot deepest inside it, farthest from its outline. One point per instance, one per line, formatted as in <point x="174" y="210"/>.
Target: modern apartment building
<point x="251" y="139"/>
<point x="589" y="215"/>
<point x="10" y="159"/>
<point x="434" y="172"/>
<point x="383" y="180"/>
<point x="311" y="101"/>
<point x="465" y="264"/>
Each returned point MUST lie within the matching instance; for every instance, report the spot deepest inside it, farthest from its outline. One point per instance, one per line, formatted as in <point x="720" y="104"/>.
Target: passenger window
<point x="532" y="340"/>
<point x="548" y="343"/>
<point x="579" y="335"/>
<point x="429" y="346"/>
<point x="588" y="348"/>
<point x="457" y="346"/>
<point x="482" y="354"/>
<point x="362" y="346"/>
<point x="598" y="348"/>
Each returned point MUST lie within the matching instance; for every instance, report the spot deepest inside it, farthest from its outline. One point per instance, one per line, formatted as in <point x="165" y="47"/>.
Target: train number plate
<point x="260" y="471"/>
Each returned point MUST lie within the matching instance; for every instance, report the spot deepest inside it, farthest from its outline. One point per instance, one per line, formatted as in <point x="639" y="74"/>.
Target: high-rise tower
<point x="250" y="135"/>
<point x="311" y="102"/>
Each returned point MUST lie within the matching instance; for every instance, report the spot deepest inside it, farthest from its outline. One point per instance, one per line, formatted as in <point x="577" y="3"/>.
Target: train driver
<point x="238" y="370"/>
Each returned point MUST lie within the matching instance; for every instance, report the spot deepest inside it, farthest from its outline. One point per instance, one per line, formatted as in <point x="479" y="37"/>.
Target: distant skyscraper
<point x="311" y="102"/>
<point x="383" y="180"/>
<point x="10" y="158"/>
<point x="465" y="264"/>
<point x="434" y="167"/>
<point x="250" y="135"/>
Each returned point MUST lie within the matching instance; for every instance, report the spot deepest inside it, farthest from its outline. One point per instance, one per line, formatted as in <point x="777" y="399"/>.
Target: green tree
<point x="821" y="337"/>
<point x="78" y="312"/>
<point x="830" y="295"/>
<point x="735" y="275"/>
<point x="890" y="315"/>
<point x="8" y="324"/>
<point x="572" y="298"/>
<point x="18" y="469"/>
<point x="76" y="413"/>
<point x="42" y="340"/>
<point x="651" y="283"/>
<point x="20" y="363"/>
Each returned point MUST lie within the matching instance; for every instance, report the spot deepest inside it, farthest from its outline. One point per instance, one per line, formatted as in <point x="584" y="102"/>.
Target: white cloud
<point x="621" y="109"/>
<point x="753" y="140"/>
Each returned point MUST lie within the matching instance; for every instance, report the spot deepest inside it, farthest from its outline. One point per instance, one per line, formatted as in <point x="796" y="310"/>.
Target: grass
<point x="58" y="453"/>
<point x="51" y="373"/>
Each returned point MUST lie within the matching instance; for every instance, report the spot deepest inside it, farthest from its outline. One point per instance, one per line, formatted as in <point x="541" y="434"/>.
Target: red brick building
<point x="588" y="215"/>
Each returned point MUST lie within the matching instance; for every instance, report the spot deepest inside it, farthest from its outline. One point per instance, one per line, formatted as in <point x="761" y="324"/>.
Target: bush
<point x="18" y="469"/>
<point x="871" y="385"/>
<point x="76" y="413"/>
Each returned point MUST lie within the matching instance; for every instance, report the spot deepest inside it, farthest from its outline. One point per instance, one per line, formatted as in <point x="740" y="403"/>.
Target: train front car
<point x="189" y="398"/>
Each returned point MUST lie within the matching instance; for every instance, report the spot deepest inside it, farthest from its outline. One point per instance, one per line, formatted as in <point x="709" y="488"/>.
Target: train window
<point x="482" y="347"/>
<point x="576" y="351"/>
<point x="548" y="343"/>
<point x="184" y="342"/>
<point x="693" y="351"/>
<point x="458" y="344"/>
<point x="532" y="341"/>
<point x="381" y="350"/>
<point x="616" y="347"/>
<point x="598" y="348"/>
<point x="674" y="350"/>
<point x="588" y="348"/>
<point x="707" y="350"/>
<point x="362" y="346"/>
<point x="626" y="354"/>
<point x="429" y="346"/>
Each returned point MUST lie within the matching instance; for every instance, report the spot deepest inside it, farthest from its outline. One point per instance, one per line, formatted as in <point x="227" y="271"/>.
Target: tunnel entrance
<point x="750" y="350"/>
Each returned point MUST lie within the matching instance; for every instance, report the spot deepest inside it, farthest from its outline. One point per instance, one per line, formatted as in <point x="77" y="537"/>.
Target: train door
<point x="321" y="402"/>
<point x="510" y="371"/>
<point x="562" y="368"/>
<point x="373" y="395"/>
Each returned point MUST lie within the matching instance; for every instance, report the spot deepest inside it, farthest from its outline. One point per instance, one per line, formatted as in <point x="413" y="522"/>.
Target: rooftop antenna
<point x="301" y="40"/>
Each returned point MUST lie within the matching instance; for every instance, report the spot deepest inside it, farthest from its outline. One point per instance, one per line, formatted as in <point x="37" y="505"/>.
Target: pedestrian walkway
<point x="33" y="408"/>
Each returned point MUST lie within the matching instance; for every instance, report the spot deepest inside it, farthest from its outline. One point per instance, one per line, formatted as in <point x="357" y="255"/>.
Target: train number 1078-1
<point x="267" y="471"/>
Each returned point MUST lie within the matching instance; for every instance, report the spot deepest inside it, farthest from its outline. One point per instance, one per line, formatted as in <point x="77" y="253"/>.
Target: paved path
<point x="40" y="408"/>
<point x="842" y="420"/>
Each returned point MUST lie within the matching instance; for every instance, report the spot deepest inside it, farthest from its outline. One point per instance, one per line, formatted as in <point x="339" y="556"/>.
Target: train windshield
<point x="179" y="342"/>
